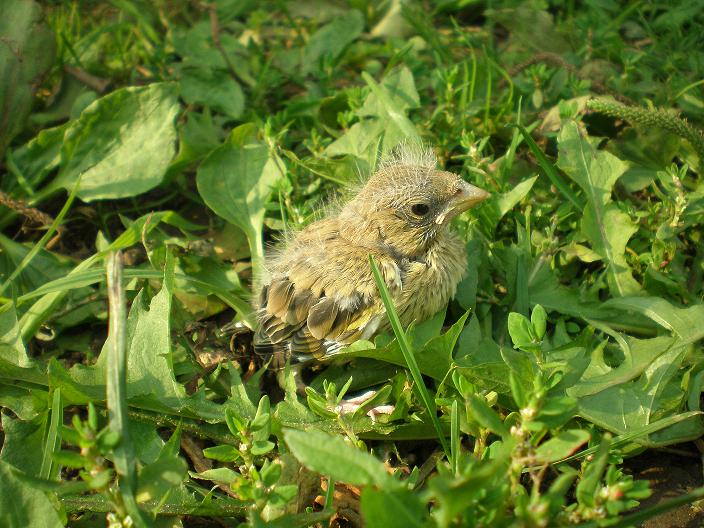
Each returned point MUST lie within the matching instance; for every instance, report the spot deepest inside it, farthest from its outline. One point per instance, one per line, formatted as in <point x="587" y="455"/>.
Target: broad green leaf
<point x="434" y="356"/>
<point x="23" y="444"/>
<point x="687" y="324"/>
<point x="332" y="39"/>
<point x="236" y="182"/>
<point x="393" y="509"/>
<point x="398" y="128"/>
<point x="221" y="474"/>
<point x="158" y="479"/>
<point x="401" y="90"/>
<point x="361" y="141"/>
<point x="606" y="227"/>
<point x="26" y="54"/>
<point x="25" y="403"/>
<point x="23" y="505"/>
<point x="37" y="158"/>
<point x="332" y="456"/>
<point x="213" y="88"/>
<point x="122" y="144"/>
<point x="619" y="405"/>
<point x="561" y="446"/>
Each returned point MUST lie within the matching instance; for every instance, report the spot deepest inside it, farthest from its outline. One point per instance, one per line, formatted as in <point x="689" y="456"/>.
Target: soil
<point x="671" y="473"/>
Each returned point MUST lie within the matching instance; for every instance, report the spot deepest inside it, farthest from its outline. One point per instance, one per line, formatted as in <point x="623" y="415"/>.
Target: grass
<point x="188" y="137"/>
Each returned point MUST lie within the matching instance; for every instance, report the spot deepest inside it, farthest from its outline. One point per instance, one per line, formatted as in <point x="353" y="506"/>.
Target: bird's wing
<point x="322" y="301"/>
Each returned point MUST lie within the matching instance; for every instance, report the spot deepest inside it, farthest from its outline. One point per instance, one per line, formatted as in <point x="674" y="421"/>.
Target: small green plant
<point x="255" y="477"/>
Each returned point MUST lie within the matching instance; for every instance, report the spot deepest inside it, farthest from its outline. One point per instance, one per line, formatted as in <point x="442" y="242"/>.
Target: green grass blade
<point x="42" y="241"/>
<point x="407" y="352"/>
<point x="88" y="277"/>
<point x="117" y="388"/>
<point x="550" y="169"/>
<point x="455" y="436"/>
<point x="49" y="469"/>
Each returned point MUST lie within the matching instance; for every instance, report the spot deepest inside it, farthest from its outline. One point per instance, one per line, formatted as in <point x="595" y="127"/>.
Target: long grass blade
<point x="407" y="352"/>
<point x="42" y="241"/>
<point x="49" y="468"/>
<point x="117" y="388"/>
<point x="550" y="169"/>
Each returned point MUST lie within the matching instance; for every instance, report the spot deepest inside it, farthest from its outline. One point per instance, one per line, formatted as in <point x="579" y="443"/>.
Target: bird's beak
<point x="468" y="196"/>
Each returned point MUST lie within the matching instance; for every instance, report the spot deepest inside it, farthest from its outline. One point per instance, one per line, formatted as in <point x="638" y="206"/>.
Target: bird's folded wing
<point x="312" y="311"/>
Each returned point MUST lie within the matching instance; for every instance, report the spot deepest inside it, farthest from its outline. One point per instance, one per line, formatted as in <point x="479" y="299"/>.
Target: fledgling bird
<point x="320" y="294"/>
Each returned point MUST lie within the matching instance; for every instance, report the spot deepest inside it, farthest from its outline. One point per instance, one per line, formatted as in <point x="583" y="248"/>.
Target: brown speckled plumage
<point x="320" y="293"/>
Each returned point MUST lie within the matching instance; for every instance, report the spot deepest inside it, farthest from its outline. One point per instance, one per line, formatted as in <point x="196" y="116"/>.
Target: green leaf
<point x="332" y="456"/>
<point x="555" y="178"/>
<point x="26" y="54"/>
<point x="122" y="144"/>
<point x="213" y="88"/>
<point x="486" y="416"/>
<point x="520" y="330"/>
<point x="149" y="366"/>
<point x="222" y="453"/>
<point x="588" y="485"/>
<point x="12" y="348"/>
<point x="222" y="474"/>
<point x="687" y="324"/>
<point x="398" y="127"/>
<point x="23" y="505"/>
<point x="262" y="447"/>
<point x="393" y="509"/>
<point x="620" y="407"/>
<point x="236" y="182"/>
<point x="401" y="90"/>
<point x="499" y="204"/>
<point x="561" y="446"/>
<point x="604" y="224"/>
<point x="48" y="470"/>
<point x="158" y="479"/>
<point x="22" y="443"/>
<point x="116" y="388"/>
<point x="332" y="39"/>
<point x="538" y="318"/>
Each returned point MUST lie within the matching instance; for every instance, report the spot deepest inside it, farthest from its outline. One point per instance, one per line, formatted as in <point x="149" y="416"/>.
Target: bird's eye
<point x="420" y="209"/>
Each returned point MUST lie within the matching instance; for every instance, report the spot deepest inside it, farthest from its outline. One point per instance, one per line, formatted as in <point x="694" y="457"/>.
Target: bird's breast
<point x="429" y="283"/>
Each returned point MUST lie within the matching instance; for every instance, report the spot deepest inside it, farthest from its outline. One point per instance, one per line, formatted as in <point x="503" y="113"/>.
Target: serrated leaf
<point x="606" y="227"/>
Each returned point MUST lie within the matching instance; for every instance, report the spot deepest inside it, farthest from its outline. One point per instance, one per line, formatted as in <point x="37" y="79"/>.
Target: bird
<point x="318" y="294"/>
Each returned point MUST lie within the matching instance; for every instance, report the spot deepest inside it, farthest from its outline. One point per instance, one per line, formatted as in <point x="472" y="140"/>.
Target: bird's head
<point x="406" y="203"/>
